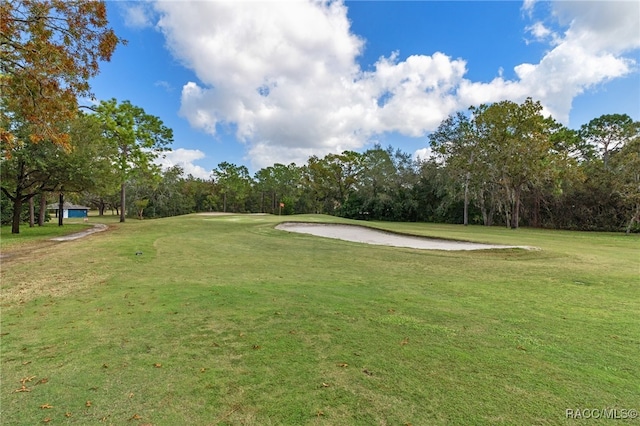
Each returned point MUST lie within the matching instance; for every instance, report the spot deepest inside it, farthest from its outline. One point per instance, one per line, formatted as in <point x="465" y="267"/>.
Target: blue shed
<point x="70" y="210"/>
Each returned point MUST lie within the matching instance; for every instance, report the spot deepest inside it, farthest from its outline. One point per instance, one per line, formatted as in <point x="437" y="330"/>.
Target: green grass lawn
<point x="225" y="320"/>
<point x="41" y="234"/>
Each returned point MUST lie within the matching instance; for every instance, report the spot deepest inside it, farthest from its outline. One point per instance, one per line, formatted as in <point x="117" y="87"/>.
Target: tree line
<point x="503" y="163"/>
<point x="500" y="164"/>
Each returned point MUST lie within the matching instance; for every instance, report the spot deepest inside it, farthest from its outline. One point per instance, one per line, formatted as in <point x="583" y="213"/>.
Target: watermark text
<point x="601" y="413"/>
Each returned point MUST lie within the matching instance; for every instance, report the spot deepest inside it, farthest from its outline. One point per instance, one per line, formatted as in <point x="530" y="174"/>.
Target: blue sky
<point x="257" y="83"/>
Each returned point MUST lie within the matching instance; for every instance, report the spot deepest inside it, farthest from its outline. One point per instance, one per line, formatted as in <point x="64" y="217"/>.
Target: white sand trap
<point x="361" y="234"/>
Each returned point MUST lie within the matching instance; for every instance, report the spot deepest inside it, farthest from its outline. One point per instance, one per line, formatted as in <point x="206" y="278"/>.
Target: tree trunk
<point x="17" y="209"/>
<point x="60" y="209"/>
<point x="492" y="213"/>
<point x="488" y="208"/>
<point x="122" y="203"/>
<point x="483" y="209"/>
<point x="507" y="215"/>
<point x="274" y="203"/>
<point x="536" y="210"/>
<point x="634" y="218"/>
<point x="466" y="199"/>
<point x="17" y="201"/>
<point x="32" y="213"/>
<point x="43" y="209"/>
<point x="515" y="213"/>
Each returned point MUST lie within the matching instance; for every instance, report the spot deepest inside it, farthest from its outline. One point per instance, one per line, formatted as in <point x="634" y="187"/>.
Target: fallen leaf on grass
<point x="202" y="370"/>
<point x="404" y="341"/>
<point x="256" y="346"/>
<point x="319" y="413"/>
<point x="46" y="406"/>
<point x="343" y="365"/>
<point x="46" y="420"/>
<point x="26" y="363"/>
<point x="42" y="381"/>
<point x="135" y="417"/>
<point x="23" y="389"/>
<point x="26" y="379"/>
<point x="522" y="348"/>
<point x="67" y="414"/>
<point x="157" y="365"/>
<point x="367" y="372"/>
<point x="325" y="385"/>
<point x="105" y="365"/>
<point x="87" y="404"/>
<point x="130" y="394"/>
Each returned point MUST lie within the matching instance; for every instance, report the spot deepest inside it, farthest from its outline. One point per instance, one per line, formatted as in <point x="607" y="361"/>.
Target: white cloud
<point x="281" y="72"/>
<point x="527" y="6"/>
<point x="539" y="31"/>
<point x="185" y="158"/>
<point x="588" y="53"/>
<point x="422" y="154"/>
<point x="164" y="84"/>
<point x="137" y="14"/>
<point x="285" y="75"/>
<point x="611" y="26"/>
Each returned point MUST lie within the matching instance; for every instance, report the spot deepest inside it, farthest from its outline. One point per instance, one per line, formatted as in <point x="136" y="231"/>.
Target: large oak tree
<point x="31" y="169"/>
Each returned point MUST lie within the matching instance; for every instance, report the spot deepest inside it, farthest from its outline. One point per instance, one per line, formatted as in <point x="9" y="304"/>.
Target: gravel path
<point x="361" y="234"/>
<point x="98" y="227"/>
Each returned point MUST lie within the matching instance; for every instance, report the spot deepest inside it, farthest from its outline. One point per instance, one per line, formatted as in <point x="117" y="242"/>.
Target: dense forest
<point x="500" y="164"/>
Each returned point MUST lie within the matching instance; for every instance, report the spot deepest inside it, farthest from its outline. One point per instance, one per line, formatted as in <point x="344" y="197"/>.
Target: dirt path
<point x="98" y="227"/>
<point x="24" y="252"/>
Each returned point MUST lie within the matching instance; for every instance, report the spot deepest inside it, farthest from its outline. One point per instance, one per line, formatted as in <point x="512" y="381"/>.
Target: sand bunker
<point x="361" y="234"/>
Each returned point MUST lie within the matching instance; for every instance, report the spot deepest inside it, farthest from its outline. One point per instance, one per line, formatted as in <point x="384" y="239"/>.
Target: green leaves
<point x="609" y="133"/>
<point x="234" y="184"/>
<point x="498" y="152"/>
<point x="30" y="169"/>
<point x="136" y="137"/>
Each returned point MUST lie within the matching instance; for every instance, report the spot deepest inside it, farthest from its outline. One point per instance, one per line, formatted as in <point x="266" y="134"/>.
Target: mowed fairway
<point x="225" y="320"/>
